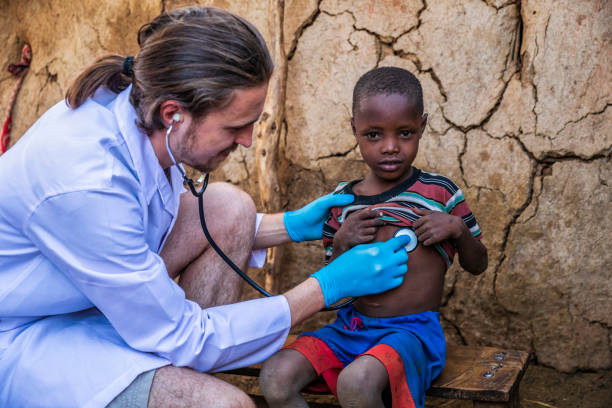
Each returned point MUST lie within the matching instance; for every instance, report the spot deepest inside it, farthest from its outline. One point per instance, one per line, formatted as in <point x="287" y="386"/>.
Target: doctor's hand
<point x="306" y="224"/>
<point x="364" y="270"/>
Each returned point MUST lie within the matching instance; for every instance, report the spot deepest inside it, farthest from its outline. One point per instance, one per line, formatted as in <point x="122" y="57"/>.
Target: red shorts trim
<point x="400" y="393"/>
<point x="323" y="360"/>
<point x="328" y="367"/>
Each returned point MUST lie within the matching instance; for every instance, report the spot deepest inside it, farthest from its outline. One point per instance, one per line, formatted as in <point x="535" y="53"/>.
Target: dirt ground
<point x="541" y="387"/>
<point x="545" y="387"/>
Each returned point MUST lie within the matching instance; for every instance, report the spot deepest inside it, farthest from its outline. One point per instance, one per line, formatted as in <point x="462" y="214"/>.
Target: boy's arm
<point x="473" y="255"/>
<point x="434" y="227"/>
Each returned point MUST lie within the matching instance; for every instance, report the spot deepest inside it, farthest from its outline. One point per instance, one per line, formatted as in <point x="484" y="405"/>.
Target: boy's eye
<point x="371" y="135"/>
<point x="406" y="133"/>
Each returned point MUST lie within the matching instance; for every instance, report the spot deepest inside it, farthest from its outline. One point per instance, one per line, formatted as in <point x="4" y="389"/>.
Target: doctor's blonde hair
<point x="197" y="56"/>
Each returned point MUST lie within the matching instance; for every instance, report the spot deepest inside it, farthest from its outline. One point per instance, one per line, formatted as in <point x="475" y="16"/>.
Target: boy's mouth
<point x="390" y="164"/>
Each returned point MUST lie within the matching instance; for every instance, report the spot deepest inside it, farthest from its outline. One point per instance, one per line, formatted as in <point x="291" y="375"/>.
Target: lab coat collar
<point x="145" y="160"/>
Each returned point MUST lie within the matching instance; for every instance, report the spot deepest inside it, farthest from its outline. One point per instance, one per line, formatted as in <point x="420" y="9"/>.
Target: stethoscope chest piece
<point x="413" y="238"/>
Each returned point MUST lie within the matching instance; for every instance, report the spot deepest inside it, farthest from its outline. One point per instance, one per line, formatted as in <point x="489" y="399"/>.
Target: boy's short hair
<point x="386" y="81"/>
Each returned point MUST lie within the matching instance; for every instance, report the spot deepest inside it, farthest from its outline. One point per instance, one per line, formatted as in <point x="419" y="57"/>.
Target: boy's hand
<point x="359" y="228"/>
<point x="434" y="226"/>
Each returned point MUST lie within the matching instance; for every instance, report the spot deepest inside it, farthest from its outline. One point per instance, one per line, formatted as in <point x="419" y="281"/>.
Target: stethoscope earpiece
<point x="204" y="180"/>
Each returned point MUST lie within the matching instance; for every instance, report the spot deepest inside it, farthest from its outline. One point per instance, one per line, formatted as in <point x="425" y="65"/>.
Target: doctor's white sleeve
<point x="97" y="238"/>
<point x="258" y="256"/>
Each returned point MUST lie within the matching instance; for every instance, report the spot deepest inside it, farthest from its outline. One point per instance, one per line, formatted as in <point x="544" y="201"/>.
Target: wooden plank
<point x="251" y="371"/>
<point x="464" y="374"/>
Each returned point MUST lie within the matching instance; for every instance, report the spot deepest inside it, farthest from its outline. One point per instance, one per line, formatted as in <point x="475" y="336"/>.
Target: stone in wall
<point x="556" y="274"/>
<point x="470" y="303"/>
<point x="498" y="164"/>
<point x="299" y="14"/>
<point x="566" y="56"/>
<point x="319" y="88"/>
<point x="471" y="54"/>
<point x="65" y="39"/>
<point x="514" y="115"/>
<point x="256" y="12"/>
<point x="379" y="16"/>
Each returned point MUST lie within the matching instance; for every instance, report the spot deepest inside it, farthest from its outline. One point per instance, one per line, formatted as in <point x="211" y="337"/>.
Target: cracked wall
<point x="517" y="94"/>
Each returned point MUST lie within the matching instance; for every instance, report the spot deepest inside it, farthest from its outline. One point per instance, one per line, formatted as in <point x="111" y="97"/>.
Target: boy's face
<point x="388" y="129"/>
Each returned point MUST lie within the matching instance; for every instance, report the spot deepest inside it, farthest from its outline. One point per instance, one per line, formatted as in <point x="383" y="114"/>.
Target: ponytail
<point x="107" y="72"/>
<point x="196" y="56"/>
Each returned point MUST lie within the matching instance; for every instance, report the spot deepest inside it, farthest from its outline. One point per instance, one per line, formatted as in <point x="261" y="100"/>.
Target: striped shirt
<point x="422" y="190"/>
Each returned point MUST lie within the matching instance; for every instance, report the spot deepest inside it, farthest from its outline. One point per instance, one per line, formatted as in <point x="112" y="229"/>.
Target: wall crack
<point x="584" y="117"/>
<point x="300" y="31"/>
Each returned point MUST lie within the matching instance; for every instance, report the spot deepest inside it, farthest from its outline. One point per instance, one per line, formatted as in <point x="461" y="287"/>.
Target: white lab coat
<point x="86" y="303"/>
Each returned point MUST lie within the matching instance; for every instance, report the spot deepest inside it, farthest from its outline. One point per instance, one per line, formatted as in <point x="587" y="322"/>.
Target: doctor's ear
<point x="171" y="112"/>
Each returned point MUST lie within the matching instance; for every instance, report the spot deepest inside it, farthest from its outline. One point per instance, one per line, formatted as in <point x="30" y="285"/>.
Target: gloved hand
<point x="306" y="224"/>
<point x="364" y="270"/>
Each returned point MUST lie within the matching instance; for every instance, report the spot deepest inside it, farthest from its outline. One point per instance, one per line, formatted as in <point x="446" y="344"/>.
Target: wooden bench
<point x="488" y="376"/>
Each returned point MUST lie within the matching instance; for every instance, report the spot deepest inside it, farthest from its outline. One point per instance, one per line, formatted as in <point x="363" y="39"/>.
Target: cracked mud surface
<point x="517" y="94"/>
<point x="496" y="148"/>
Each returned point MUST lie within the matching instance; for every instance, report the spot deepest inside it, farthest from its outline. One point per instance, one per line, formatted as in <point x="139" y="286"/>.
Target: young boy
<point x="388" y="346"/>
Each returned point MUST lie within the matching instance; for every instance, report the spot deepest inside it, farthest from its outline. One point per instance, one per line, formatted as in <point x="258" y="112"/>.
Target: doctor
<point x="94" y="228"/>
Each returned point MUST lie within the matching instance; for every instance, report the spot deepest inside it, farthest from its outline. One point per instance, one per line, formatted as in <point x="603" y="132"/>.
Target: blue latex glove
<point x="364" y="270"/>
<point x="306" y="224"/>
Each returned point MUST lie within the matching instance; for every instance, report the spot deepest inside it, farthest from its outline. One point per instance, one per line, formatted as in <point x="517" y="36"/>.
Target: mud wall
<point x="517" y="94"/>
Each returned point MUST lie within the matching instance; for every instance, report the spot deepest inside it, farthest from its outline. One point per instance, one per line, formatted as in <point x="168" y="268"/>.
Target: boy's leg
<point x="230" y="218"/>
<point x="362" y="383"/>
<point x="283" y="376"/>
<point x="184" y="387"/>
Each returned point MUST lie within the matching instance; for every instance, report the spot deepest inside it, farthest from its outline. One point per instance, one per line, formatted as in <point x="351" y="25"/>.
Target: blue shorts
<point x="411" y="347"/>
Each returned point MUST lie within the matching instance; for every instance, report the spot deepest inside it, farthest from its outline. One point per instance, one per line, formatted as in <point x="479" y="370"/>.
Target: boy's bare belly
<point x="421" y="289"/>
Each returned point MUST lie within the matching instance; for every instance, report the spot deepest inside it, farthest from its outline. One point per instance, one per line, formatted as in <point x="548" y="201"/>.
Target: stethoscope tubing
<point x="199" y="194"/>
<point x="236" y="268"/>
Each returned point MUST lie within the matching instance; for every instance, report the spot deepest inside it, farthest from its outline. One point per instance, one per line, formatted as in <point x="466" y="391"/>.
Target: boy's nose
<point x="390" y="145"/>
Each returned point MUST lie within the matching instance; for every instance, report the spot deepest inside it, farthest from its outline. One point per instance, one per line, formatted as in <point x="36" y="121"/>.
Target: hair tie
<point x="128" y="62"/>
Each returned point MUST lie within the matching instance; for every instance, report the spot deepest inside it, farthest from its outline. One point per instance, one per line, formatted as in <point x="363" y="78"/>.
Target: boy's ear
<point x="353" y="127"/>
<point x="423" y="122"/>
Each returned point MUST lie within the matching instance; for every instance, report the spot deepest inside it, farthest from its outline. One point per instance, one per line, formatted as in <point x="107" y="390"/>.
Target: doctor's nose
<point x="245" y="138"/>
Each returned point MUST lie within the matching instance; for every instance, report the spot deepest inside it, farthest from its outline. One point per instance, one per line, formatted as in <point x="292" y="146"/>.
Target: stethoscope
<point x="204" y="181"/>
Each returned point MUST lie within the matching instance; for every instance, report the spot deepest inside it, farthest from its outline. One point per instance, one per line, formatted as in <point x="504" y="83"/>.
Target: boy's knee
<point x="351" y="382"/>
<point x="359" y="383"/>
<point x="278" y="378"/>
<point x="271" y="377"/>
